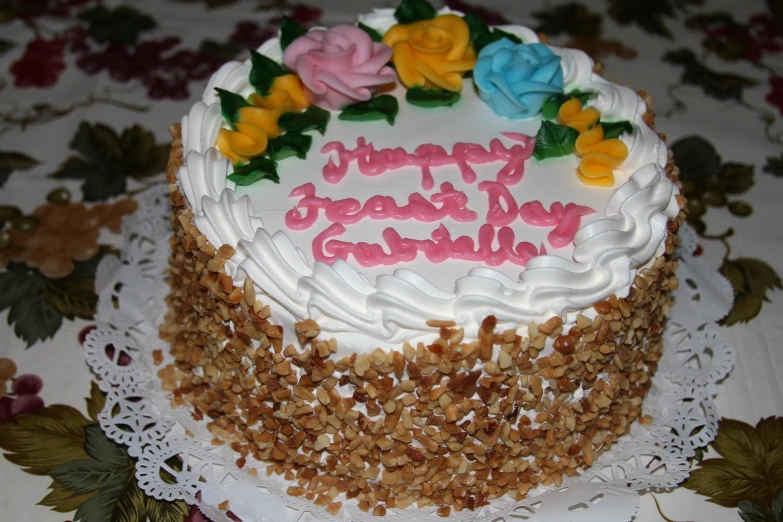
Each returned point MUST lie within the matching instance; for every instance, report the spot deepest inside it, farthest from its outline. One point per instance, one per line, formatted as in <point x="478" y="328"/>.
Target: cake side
<point x="453" y="423"/>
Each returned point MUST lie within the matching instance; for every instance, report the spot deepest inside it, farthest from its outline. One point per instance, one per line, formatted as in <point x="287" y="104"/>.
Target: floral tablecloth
<point x="89" y="88"/>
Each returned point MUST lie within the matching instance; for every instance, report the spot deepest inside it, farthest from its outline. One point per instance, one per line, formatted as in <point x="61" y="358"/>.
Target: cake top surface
<point x="381" y="208"/>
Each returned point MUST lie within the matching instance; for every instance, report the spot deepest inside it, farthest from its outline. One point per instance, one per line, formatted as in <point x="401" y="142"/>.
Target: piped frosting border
<point x="398" y="306"/>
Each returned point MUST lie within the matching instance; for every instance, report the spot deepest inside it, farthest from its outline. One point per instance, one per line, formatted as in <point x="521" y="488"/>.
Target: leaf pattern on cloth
<point x="122" y="25"/>
<point x="12" y="161"/>
<point x="708" y="182"/>
<point x="733" y="40"/>
<point x="750" y="468"/>
<point x="751" y="279"/>
<point x="90" y="473"/>
<point x="774" y="166"/>
<point x="752" y="512"/>
<point x="649" y="15"/>
<point x="585" y="28"/>
<point x="108" y="159"/>
<point x="34" y="319"/>
<point x="573" y="19"/>
<point x="37" y="304"/>
<point x="722" y="86"/>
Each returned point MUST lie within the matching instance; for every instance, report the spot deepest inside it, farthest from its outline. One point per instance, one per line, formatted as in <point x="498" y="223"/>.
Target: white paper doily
<point x="177" y="461"/>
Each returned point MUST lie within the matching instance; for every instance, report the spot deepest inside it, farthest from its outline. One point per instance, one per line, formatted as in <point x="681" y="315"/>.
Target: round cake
<point x="417" y="260"/>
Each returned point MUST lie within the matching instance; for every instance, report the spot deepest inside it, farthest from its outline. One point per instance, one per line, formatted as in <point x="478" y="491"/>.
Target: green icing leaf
<point x="552" y="105"/>
<point x="375" y="35"/>
<point x="554" y="141"/>
<point x="230" y="103"/>
<point x="264" y="72"/>
<point x="254" y="170"/>
<point x="615" y="129"/>
<point x="411" y="11"/>
<point x="383" y="107"/>
<point x="429" y="98"/>
<point x="290" y="30"/>
<point x="481" y="35"/>
<point x="498" y="34"/>
<point x="289" y="144"/>
<point x="314" y="118"/>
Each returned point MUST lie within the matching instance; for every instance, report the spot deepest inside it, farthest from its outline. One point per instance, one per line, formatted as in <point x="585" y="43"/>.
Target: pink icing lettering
<point x="328" y="254"/>
<point x="566" y="220"/>
<point x="309" y="202"/>
<point x="450" y="203"/>
<point x="437" y="249"/>
<point x="569" y="224"/>
<point x="496" y="215"/>
<point x="514" y="169"/>
<point x="523" y="252"/>
<point x="373" y="162"/>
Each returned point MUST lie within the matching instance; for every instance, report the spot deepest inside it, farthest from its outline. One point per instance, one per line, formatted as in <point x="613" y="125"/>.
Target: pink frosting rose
<point x="339" y="66"/>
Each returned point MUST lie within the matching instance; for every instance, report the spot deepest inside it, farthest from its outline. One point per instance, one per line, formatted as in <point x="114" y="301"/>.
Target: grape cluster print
<point x="31" y="10"/>
<point x="18" y="394"/>
<point x="164" y="70"/>
<point x="117" y="41"/>
<point x="58" y="234"/>
<point x="41" y="64"/>
<point x="732" y="40"/>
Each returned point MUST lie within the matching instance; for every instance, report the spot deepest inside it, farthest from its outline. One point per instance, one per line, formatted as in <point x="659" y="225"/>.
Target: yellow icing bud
<point x="246" y="142"/>
<point x="285" y="95"/>
<point x="599" y="156"/>
<point x="264" y="118"/>
<point x="599" y="181"/>
<point x="433" y="52"/>
<point x="588" y="139"/>
<point x="292" y="85"/>
<point x="572" y="114"/>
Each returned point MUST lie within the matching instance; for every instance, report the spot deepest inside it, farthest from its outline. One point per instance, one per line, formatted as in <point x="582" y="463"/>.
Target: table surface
<point x="89" y="88"/>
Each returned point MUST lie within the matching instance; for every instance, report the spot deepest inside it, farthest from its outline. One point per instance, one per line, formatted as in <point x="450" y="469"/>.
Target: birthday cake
<point x="417" y="260"/>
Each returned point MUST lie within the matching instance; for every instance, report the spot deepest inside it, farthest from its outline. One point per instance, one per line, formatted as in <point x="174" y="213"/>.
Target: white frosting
<point x="626" y="232"/>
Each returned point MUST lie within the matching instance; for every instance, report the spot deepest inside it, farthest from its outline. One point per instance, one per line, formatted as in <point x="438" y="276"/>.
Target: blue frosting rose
<point x="517" y="79"/>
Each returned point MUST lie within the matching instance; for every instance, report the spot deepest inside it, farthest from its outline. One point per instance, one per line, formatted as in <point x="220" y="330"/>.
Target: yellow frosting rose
<point x="433" y="52"/>
<point x="258" y="122"/>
